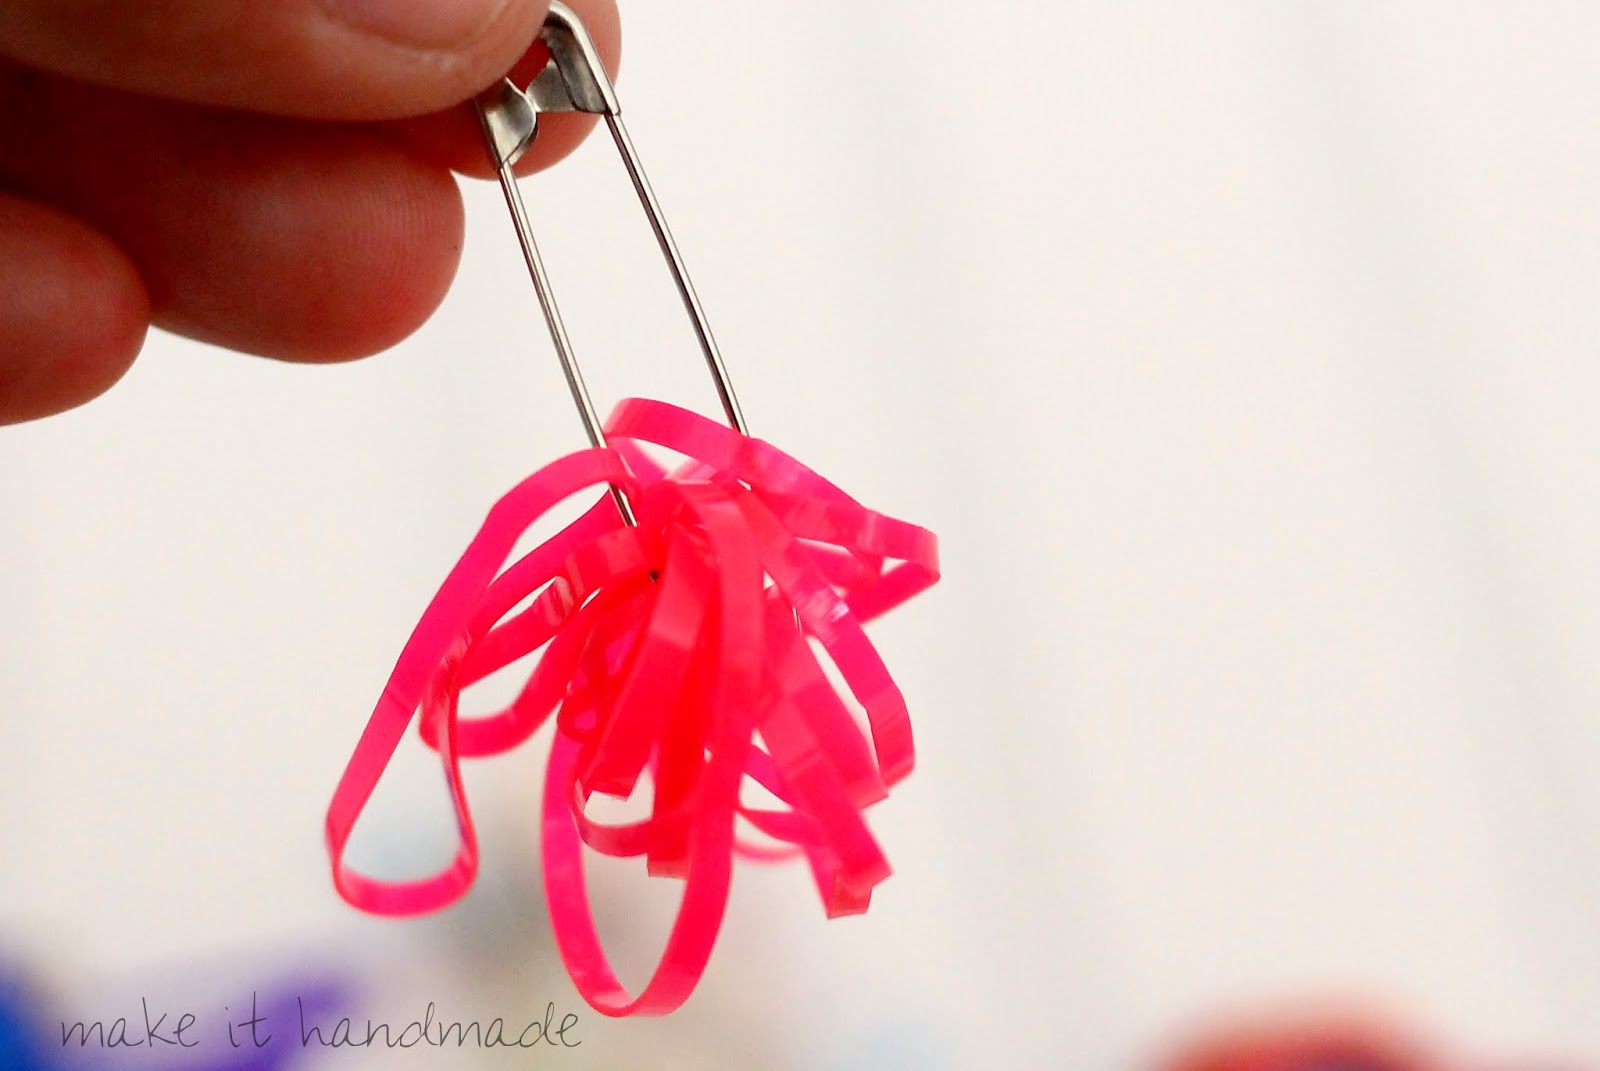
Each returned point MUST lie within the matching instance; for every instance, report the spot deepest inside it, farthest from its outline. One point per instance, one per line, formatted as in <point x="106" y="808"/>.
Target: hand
<point x="271" y="176"/>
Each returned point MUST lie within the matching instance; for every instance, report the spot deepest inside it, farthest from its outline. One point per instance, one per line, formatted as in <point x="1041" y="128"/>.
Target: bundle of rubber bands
<point x="680" y="625"/>
<point x="668" y="646"/>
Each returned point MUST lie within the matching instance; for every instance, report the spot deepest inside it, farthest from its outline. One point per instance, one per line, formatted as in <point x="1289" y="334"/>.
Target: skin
<point x="275" y="178"/>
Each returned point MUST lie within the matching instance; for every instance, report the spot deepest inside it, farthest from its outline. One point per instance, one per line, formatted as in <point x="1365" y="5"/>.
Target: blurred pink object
<point x="1331" y="1042"/>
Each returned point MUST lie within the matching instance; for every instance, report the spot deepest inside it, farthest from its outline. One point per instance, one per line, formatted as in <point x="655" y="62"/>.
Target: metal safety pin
<point x="575" y="80"/>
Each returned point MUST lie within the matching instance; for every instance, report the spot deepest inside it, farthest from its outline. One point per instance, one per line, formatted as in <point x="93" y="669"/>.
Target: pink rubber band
<point x="666" y="649"/>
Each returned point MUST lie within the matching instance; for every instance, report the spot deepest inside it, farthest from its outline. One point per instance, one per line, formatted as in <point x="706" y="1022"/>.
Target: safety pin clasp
<point x="574" y="80"/>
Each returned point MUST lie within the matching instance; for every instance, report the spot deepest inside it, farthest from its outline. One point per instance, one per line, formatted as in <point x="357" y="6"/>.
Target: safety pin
<point x="575" y="80"/>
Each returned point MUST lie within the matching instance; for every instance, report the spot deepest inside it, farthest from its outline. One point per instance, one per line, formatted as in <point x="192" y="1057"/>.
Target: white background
<point x="1242" y="354"/>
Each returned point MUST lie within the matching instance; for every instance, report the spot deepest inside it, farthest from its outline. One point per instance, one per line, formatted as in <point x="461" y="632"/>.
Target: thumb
<point x="318" y="59"/>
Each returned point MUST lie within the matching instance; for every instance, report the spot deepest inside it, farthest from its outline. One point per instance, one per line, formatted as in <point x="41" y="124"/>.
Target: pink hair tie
<point x="677" y="626"/>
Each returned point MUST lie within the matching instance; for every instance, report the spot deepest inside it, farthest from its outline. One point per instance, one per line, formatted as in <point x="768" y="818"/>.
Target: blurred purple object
<point x="21" y="1048"/>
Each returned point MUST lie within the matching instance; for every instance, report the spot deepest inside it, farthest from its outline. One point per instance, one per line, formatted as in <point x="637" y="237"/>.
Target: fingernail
<point x="420" y="23"/>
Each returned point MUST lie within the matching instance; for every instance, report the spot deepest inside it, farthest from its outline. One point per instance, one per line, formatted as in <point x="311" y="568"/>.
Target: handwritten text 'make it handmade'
<point x="182" y="1029"/>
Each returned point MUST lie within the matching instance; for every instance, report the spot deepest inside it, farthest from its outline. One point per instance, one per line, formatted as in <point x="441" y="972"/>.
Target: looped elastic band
<point x="682" y="654"/>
